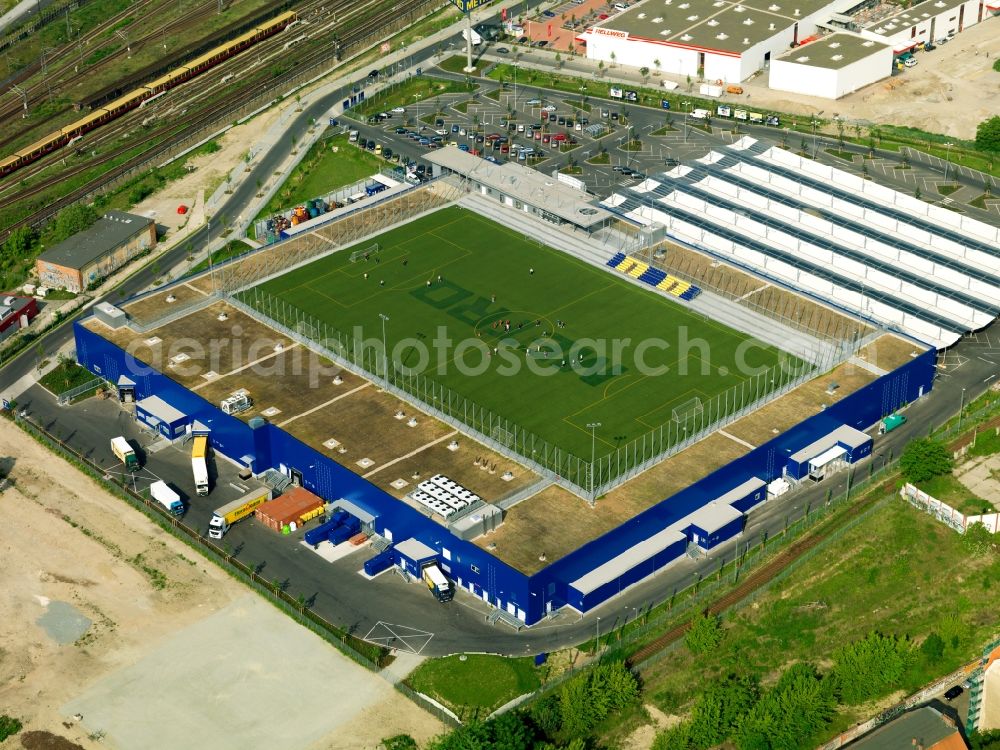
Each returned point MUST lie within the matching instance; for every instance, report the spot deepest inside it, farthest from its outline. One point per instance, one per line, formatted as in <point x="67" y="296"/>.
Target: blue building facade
<point x="528" y="598"/>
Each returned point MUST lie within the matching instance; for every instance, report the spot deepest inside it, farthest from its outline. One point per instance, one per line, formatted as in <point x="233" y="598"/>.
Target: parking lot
<point x="591" y="140"/>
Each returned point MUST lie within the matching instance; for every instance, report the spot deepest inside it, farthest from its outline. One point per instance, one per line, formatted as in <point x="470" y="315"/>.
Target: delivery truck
<point x="890" y="423"/>
<point x="199" y="468"/>
<point x="477" y="39"/>
<point x="161" y="493"/>
<point x="439" y="585"/>
<point x="124" y="453"/>
<point x="237" y="510"/>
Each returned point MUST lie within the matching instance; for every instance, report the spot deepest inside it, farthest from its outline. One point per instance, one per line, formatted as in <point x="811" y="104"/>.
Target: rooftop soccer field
<point x="545" y="340"/>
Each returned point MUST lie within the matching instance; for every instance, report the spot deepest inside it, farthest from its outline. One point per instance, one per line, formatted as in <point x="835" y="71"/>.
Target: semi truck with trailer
<point x="237" y="510"/>
<point x="890" y="423"/>
<point x="161" y="492"/>
<point x="439" y="585"/>
<point x="199" y="468"/>
<point x="124" y="453"/>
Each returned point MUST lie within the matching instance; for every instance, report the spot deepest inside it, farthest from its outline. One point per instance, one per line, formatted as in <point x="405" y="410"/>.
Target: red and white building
<point x="16" y="313"/>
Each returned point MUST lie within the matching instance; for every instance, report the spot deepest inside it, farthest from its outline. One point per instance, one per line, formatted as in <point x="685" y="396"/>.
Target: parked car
<point x="620" y="6"/>
<point x="617" y="168"/>
<point x="523" y="40"/>
<point x="463" y="146"/>
<point x="549" y="14"/>
<point x="373" y="74"/>
<point x="928" y="47"/>
<point x="540" y="43"/>
<point x="774" y="121"/>
<point x="953" y="692"/>
<point x="671" y="162"/>
<point x="454" y="128"/>
<point x="441" y="131"/>
<point x="501" y="50"/>
<point x="399" y="110"/>
<point x="400" y="131"/>
<point x="533" y="102"/>
<point x="911" y="63"/>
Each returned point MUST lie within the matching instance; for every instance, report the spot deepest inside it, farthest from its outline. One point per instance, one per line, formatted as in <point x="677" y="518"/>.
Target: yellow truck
<point x="237" y="510"/>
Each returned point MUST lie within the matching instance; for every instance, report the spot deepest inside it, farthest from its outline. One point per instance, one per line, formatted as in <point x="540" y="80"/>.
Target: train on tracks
<point x="103" y="114"/>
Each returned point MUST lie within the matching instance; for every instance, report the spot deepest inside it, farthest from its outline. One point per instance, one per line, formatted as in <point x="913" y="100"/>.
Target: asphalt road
<point x="338" y="593"/>
<point x="335" y="589"/>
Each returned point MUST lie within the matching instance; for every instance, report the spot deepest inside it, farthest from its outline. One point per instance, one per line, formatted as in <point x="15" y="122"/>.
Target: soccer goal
<point x="690" y="408"/>
<point x="503" y="436"/>
<point x="366" y="253"/>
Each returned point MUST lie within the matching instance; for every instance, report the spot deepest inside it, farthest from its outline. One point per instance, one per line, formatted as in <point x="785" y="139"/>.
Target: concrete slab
<point x="246" y="676"/>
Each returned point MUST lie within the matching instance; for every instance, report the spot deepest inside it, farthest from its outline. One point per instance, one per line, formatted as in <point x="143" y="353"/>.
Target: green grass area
<point x="463" y="106"/>
<point x="331" y="163"/>
<point x="66" y="375"/>
<point x="475" y="685"/>
<point x="59" y="294"/>
<point x="408" y="93"/>
<point x="485" y="278"/>
<point x="665" y="130"/>
<point x="456" y="64"/>
<point x="980" y="202"/>
<point x="987" y="443"/>
<point x="603" y="158"/>
<point x="854" y="584"/>
<point x="949" y="490"/>
<point x="231" y="250"/>
<point x="947" y="189"/>
<point x="840" y="154"/>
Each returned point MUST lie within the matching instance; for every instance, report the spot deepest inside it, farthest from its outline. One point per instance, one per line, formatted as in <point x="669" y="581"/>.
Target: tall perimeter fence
<point x="585" y="477"/>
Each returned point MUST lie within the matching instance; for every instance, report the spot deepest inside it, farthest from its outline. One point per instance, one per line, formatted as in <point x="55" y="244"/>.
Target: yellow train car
<point x="135" y="97"/>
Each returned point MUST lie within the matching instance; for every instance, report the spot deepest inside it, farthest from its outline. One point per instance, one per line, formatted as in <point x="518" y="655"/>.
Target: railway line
<point x="757" y="579"/>
<point x="186" y="120"/>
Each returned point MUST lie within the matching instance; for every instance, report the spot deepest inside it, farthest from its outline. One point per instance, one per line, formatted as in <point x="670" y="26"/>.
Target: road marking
<point x="736" y="439"/>
<point x="408" y="455"/>
<point x="247" y="365"/>
<point x="321" y="406"/>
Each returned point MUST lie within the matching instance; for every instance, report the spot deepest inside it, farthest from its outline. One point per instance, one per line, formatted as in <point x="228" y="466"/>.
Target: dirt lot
<point x="72" y="554"/>
<point x="951" y="90"/>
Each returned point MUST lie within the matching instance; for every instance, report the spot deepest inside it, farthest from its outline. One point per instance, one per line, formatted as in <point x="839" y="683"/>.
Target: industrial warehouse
<point x="469" y="502"/>
<point x="827" y="49"/>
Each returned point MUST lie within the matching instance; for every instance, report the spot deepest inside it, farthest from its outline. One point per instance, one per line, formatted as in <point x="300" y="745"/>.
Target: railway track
<point x="192" y="122"/>
<point x="755" y="580"/>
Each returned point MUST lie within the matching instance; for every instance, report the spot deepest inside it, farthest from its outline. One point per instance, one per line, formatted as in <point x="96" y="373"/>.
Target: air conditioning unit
<point x="236" y="403"/>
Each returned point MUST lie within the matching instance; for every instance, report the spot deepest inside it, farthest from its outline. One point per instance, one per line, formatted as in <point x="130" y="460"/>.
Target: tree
<point x="705" y="634"/>
<point x="399" y="742"/>
<point x="678" y="737"/>
<point x="613" y="57"/>
<point x="989" y="740"/>
<point x="988" y="134"/>
<point x="20" y="242"/>
<point x="978" y="540"/>
<point x="657" y="64"/>
<point x="720" y="708"/>
<point x="932" y="649"/>
<point x="795" y="709"/>
<point x="644" y="72"/>
<point x="924" y="459"/>
<point x="589" y="698"/>
<point x="870" y="667"/>
<point x="71" y="220"/>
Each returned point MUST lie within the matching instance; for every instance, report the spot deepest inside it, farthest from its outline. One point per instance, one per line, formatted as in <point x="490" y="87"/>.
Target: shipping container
<point x="297" y="505"/>
<point x="382" y="561"/>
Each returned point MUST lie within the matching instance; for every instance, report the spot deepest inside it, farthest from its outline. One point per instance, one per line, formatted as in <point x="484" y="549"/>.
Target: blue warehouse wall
<point x="707" y="541"/>
<point x="859" y="410"/>
<point x="473" y="568"/>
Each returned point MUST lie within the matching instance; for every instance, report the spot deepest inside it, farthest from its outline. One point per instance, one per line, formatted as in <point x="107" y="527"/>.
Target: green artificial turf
<point x="485" y="277"/>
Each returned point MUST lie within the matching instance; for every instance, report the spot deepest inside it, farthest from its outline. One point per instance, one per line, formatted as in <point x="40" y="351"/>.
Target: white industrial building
<point x="885" y="256"/>
<point x="832" y="66"/>
<point x="928" y="21"/>
<point x="730" y="40"/>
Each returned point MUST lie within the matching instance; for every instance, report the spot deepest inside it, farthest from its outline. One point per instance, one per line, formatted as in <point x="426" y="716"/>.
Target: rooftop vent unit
<point x="665" y="32"/>
<point x="658" y="19"/>
<point x="837" y="58"/>
<point x="770" y="27"/>
<point x="641" y="15"/>
<point x="803" y="59"/>
<point x="686" y="38"/>
<point x="712" y="22"/>
<point x="834" y="45"/>
<point x="869" y="43"/>
<point x="774" y="8"/>
<point x="746" y="40"/>
<point x="722" y="36"/>
<point x="693" y="18"/>
<point x="797" y="13"/>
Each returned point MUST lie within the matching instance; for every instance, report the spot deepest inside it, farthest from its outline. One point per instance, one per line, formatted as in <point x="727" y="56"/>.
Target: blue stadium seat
<point x="618" y="258"/>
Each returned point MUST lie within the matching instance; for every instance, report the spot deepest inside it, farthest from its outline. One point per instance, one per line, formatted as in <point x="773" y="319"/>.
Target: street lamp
<point x="598" y="638"/>
<point x="947" y="163"/>
<point x="385" y="360"/>
<point x="961" y="411"/>
<point x="592" y="426"/>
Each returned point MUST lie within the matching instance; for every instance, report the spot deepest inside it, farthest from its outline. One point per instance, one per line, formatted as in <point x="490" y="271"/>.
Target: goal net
<point x="690" y="408"/>
<point x="366" y="253"/>
<point x="503" y="436"/>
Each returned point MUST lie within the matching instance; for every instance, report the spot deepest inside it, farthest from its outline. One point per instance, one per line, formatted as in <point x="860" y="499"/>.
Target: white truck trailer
<point x="166" y="497"/>
<point x="199" y="468"/>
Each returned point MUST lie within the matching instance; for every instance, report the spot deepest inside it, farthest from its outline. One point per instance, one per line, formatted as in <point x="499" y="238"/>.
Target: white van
<point x="353" y="137"/>
<point x="701" y="114"/>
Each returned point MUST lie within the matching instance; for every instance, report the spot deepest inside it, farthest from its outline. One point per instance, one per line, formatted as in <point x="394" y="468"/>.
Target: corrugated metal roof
<point x="843" y="434"/>
<point x="618" y="566"/>
<point x="160" y="409"/>
<point x="526" y="185"/>
<point x="414" y="549"/>
<point x="109" y="232"/>
<point x="713" y="516"/>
